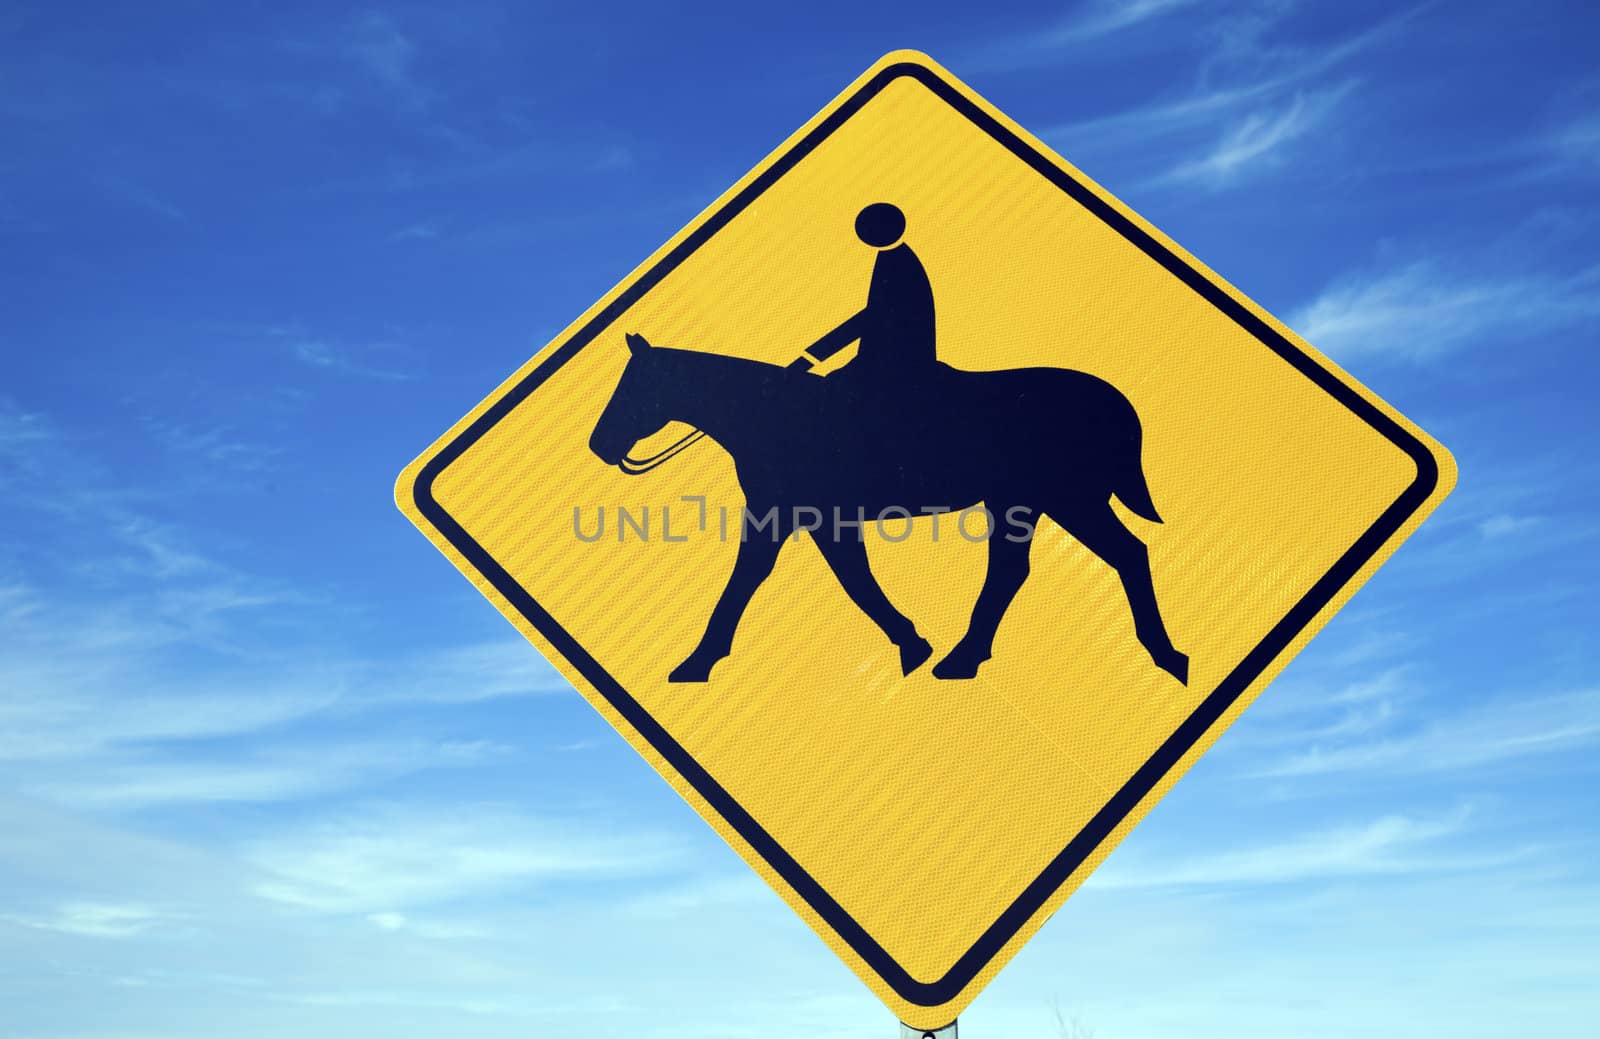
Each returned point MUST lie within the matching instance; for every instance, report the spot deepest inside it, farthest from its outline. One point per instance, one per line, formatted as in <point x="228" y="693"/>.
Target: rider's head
<point x="880" y="225"/>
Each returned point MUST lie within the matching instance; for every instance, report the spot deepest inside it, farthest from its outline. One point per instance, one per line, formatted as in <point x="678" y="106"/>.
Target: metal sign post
<point x="947" y="1032"/>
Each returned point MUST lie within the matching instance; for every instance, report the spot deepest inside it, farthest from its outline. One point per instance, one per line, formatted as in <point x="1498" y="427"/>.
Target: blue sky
<point x="269" y="766"/>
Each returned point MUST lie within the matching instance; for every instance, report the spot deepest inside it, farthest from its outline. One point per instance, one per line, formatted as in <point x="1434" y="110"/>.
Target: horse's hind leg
<point x="758" y="551"/>
<point x="1008" y="568"/>
<point x="1102" y="533"/>
<point x="847" y="557"/>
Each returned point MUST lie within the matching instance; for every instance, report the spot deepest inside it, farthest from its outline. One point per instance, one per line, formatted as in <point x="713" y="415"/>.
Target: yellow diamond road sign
<point x="921" y="513"/>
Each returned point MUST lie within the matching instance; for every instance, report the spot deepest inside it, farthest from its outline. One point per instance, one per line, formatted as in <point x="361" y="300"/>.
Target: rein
<point x="631" y="466"/>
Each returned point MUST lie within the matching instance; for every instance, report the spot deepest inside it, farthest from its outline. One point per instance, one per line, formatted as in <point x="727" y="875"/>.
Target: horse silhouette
<point x="1048" y="441"/>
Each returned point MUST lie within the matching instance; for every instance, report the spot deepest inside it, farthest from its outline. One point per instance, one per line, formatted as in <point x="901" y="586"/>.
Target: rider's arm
<point x="832" y="343"/>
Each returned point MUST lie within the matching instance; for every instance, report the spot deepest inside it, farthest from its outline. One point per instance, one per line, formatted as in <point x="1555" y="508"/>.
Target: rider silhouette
<point x="898" y="430"/>
<point x="896" y="327"/>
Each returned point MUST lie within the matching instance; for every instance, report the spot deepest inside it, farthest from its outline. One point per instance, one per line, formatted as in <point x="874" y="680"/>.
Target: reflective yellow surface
<point x="924" y="807"/>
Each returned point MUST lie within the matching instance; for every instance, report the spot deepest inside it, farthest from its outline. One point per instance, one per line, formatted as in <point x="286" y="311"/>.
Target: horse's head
<point x="635" y="409"/>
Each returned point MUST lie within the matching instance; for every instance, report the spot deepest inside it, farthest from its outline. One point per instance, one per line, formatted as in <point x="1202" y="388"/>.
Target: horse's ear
<point x="637" y="343"/>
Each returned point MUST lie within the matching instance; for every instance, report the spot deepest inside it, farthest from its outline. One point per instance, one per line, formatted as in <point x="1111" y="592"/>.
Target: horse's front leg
<point x="847" y="556"/>
<point x="758" y="551"/>
<point x="1008" y="568"/>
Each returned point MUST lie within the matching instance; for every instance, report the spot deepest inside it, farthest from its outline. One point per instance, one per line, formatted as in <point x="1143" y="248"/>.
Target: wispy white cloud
<point x="504" y="1003"/>
<point x="1392" y="844"/>
<point x="420" y="232"/>
<point x="388" y="859"/>
<point x="24" y="436"/>
<point x="1248" y="39"/>
<point x="103" y="706"/>
<point x="1336" y="722"/>
<point x="381" y="355"/>
<point x="1420" y="310"/>
<point x="428" y="927"/>
<point x="1382" y="687"/>
<point x="144" y="199"/>
<point x="95" y="919"/>
<point x="17" y="601"/>
<point x="138" y="601"/>
<point x="1260" y="139"/>
<point x="114" y="728"/>
<point x="378" y="45"/>
<point x="412" y="1000"/>
<point x="507" y="667"/>
<point x="1098" y="18"/>
<point x="368" y="56"/>
<point x="276" y="773"/>
<point x="1300" y="709"/>
<point x="1504" y="525"/>
<point x="216" y="445"/>
<point x="347" y="360"/>
<point x="688" y="900"/>
<point x="1490" y="734"/>
<point x="1157" y="119"/>
<point x="160" y="553"/>
<point x="1092" y="21"/>
<point x="1252" y="98"/>
<point x="67" y="709"/>
<point x="133" y="671"/>
<point x="476" y="924"/>
<point x="1515" y="519"/>
<point x="1575" y="145"/>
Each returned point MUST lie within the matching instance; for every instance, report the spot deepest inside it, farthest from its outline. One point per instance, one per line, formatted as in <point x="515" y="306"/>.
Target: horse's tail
<point x="1129" y="484"/>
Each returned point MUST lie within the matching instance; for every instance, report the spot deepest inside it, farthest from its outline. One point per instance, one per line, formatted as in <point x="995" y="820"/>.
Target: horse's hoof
<point x="957" y="668"/>
<point x="693" y="670"/>
<point x="913" y="654"/>
<point x="1177" y="665"/>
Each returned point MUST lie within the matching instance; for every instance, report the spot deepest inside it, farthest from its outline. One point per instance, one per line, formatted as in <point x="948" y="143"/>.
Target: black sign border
<point x="1035" y="895"/>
